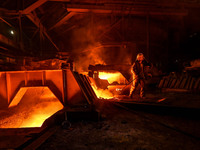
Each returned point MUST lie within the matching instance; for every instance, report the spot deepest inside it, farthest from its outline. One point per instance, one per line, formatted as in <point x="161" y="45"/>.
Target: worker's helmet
<point x="139" y="55"/>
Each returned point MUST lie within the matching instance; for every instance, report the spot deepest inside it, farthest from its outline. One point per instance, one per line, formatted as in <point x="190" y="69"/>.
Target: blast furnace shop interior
<point x="100" y="74"/>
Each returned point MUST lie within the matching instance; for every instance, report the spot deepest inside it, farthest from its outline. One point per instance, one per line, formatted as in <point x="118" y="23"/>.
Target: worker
<point x="139" y="75"/>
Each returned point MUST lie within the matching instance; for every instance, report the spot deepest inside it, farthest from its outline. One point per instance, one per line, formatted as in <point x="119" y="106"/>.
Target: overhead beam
<point x="6" y="22"/>
<point x="37" y="22"/>
<point x="6" y="12"/>
<point x="60" y="0"/>
<point x="129" y="10"/>
<point x="111" y="27"/>
<point x="33" y="6"/>
<point x="191" y="3"/>
<point x="64" y="19"/>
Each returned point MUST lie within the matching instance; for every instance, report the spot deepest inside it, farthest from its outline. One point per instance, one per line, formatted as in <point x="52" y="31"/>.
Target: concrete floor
<point x="132" y="130"/>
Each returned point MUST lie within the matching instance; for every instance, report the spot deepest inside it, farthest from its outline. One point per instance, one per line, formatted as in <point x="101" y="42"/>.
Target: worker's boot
<point x="131" y="92"/>
<point x="133" y="87"/>
<point x="131" y="95"/>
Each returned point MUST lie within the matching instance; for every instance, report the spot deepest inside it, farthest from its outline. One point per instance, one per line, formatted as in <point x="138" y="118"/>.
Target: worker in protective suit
<point x="139" y="75"/>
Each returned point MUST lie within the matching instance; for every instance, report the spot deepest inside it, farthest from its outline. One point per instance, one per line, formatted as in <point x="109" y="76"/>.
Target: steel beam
<point x="33" y="6"/>
<point x="7" y="12"/>
<point x="6" y="22"/>
<point x="60" y="0"/>
<point x="64" y="19"/>
<point x="66" y="30"/>
<point x="194" y="3"/>
<point x="119" y="9"/>
<point x="37" y="22"/>
<point x="111" y="27"/>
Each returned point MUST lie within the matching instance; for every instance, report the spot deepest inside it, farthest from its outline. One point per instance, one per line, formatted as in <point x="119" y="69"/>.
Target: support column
<point x="20" y="32"/>
<point x="147" y="36"/>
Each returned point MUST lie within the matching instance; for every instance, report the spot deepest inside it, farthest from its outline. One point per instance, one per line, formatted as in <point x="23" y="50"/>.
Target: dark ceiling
<point x="159" y="28"/>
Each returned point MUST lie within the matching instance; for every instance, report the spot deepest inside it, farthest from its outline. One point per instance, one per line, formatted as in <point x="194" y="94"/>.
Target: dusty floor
<point x="124" y="130"/>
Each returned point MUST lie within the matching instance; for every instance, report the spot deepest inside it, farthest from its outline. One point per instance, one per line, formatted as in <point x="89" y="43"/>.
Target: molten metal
<point x="35" y="106"/>
<point x="113" y="78"/>
<point x="102" y="94"/>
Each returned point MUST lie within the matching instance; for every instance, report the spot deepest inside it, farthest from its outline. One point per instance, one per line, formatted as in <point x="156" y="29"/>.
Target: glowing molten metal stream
<point x="111" y="77"/>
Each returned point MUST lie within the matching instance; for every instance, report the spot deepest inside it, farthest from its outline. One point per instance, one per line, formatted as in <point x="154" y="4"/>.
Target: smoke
<point x="90" y="56"/>
<point x="195" y="63"/>
<point x="88" y="48"/>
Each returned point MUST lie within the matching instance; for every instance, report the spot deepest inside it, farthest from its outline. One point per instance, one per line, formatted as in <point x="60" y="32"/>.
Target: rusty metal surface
<point x="12" y="81"/>
<point x="74" y="95"/>
<point x="3" y="91"/>
<point x="22" y="91"/>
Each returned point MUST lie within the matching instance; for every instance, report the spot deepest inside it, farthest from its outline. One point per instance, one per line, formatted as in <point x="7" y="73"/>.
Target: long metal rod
<point x="6" y="22"/>
<point x="147" y="32"/>
<point x="20" y="32"/>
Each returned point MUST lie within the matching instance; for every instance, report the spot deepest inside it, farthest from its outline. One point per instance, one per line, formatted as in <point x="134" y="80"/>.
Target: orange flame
<point x="101" y="93"/>
<point x="112" y="77"/>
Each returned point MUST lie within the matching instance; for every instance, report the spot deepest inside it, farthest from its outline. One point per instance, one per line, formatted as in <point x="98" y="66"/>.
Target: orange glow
<point x="41" y="114"/>
<point x="36" y="105"/>
<point x="160" y="100"/>
<point x="18" y="97"/>
<point x="112" y="77"/>
<point x="101" y="93"/>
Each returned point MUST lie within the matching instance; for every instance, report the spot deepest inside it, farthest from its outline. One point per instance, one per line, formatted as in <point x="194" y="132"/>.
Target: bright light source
<point x="12" y="32"/>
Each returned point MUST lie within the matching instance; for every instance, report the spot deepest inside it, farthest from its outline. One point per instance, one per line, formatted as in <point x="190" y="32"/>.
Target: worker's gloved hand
<point x="148" y="76"/>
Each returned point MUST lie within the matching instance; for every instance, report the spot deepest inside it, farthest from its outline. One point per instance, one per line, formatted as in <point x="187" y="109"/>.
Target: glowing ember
<point x="40" y="114"/>
<point x="37" y="104"/>
<point x="112" y="77"/>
